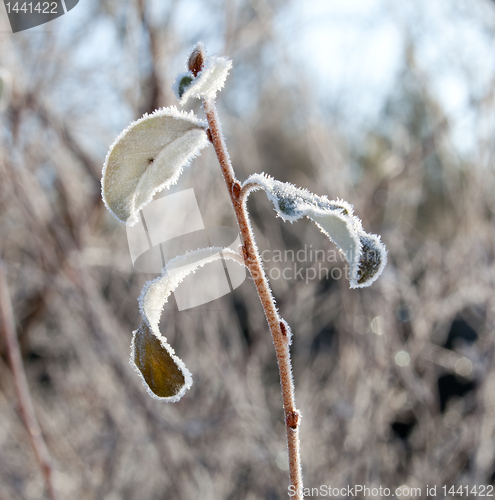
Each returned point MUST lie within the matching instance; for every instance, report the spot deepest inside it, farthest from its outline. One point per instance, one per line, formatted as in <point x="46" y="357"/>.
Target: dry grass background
<point x="366" y="419"/>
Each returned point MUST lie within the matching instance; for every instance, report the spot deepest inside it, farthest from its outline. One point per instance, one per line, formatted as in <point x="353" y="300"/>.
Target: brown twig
<point x="277" y="326"/>
<point x="21" y="387"/>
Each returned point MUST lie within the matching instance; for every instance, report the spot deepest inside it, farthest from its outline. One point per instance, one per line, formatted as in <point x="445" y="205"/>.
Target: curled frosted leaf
<point x="208" y="81"/>
<point x="147" y="157"/>
<point x="163" y="373"/>
<point x="365" y="253"/>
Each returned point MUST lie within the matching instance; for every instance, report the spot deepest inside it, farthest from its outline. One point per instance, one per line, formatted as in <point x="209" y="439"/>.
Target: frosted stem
<point x="278" y="328"/>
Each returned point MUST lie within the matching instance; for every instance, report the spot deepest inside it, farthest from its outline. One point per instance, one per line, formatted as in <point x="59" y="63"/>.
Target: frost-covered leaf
<point x="208" y="81"/>
<point x="147" y="157"/>
<point x="365" y="252"/>
<point x="163" y="373"/>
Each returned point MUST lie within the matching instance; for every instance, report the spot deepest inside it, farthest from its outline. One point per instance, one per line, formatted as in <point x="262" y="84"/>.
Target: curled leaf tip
<point x="164" y="375"/>
<point x="372" y="260"/>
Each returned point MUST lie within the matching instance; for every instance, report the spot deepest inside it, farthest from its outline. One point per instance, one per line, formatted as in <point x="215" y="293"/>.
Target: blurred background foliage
<point x="396" y="383"/>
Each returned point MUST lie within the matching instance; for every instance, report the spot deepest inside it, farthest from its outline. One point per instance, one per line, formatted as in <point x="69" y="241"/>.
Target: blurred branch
<point x="22" y="389"/>
<point x="157" y="95"/>
<point x="66" y="137"/>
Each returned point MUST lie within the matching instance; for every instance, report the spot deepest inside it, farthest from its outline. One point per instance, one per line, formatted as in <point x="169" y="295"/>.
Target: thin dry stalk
<point x="22" y="389"/>
<point x="278" y="327"/>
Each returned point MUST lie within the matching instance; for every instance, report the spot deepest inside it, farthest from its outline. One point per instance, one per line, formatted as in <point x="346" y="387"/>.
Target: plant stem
<point x="278" y="327"/>
<point x="21" y="387"/>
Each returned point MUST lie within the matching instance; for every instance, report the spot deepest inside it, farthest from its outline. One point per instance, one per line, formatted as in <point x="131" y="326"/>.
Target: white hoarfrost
<point x="207" y="83"/>
<point x="147" y="157"/>
<point x="365" y="252"/>
<point x="153" y="297"/>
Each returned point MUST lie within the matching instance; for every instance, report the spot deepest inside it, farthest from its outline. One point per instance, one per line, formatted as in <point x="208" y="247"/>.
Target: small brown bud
<point x="284" y="330"/>
<point x="292" y="419"/>
<point x="236" y="189"/>
<point x="196" y="60"/>
<point x="245" y="253"/>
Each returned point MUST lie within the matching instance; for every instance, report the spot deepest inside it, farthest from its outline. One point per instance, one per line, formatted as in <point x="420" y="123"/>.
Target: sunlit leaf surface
<point x="147" y="157"/>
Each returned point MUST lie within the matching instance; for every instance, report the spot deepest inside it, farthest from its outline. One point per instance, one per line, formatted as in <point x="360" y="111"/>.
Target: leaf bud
<point x="196" y="59"/>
